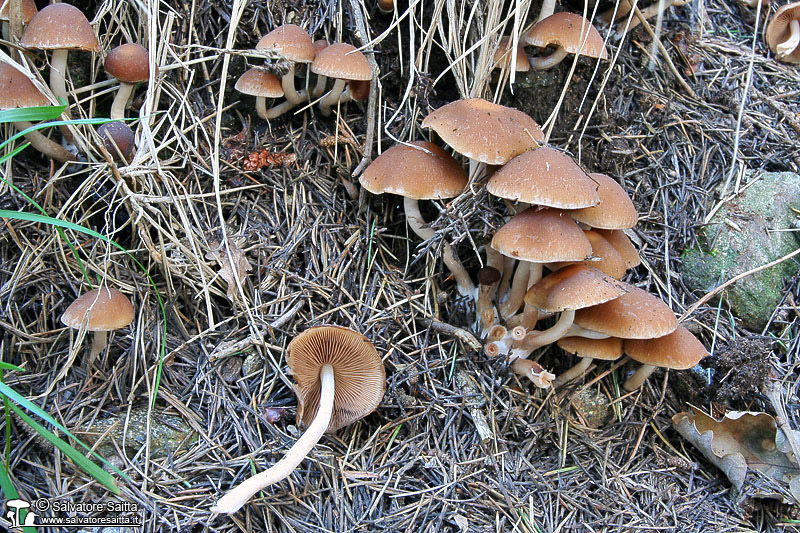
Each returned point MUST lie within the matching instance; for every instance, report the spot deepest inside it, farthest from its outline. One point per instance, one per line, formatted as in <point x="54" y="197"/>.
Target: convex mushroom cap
<point x="679" y="350"/>
<point x="502" y="56"/>
<point x="609" y="349"/>
<point x="343" y="62"/>
<point x="483" y="131"/>
<point x="615" y="210"/>
<point x="547" y="177"/>
<point x="571" y="33"/>
<point x="104" y="309"/>
<point x="542" y="236"/>
<point x="259" y="82"/>
<point x="574" y="287"/>
<point x="358" y="373"/>
<point x="58" y="27"/>
<point x="17" y="90"/>
<point x="605" y="257"/>
<point x="623" y="245"/>
<point x="783" y="33"/>
<point x="291" y="42"/>
<point x="415" y="173"/>
<point x="128" y="63"/>
<point x="634" y="315"/>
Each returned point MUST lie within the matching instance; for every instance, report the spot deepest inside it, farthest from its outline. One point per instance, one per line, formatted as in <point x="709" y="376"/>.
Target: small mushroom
<point x="293" y="44"/>
<point x="119" y="140"/>
<point x="421" y="171"/>
<point x="488" y="278"/>
<point x="60" y="28"/>
<point x="17" y="90"/>
<point x="570" y="33"/>
<point x="502" y="56"/>
<point x="623" y="245"/>
<point x="340" y="379"/>
<point x="783" y="33"/>
<point x="385" y="6"/>
<point x="343" y="62"/>
<point x="262" y="84"/>
<point x="100" y="311"/>
<point x="588" y="350"/>
<point x="130" y="64"/>
<point x="679" y="350"/>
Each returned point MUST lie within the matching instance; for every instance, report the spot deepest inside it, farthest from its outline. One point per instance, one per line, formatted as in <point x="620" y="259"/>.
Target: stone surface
<point x="741" y="237"/>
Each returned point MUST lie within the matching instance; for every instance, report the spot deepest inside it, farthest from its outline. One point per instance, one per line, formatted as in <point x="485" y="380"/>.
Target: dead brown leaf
<point x="231" y="266"/>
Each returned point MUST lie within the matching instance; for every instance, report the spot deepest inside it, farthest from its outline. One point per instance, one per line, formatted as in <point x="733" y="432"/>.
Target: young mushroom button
<point x="60" y="28"/>
<point x="101" y="310"/>
<point x="130" y="64"/>
<point x="340" y="379"/>
<point x="570" y="33"/>
<point x="421" y="171"/>
<point x="119" y="140"/>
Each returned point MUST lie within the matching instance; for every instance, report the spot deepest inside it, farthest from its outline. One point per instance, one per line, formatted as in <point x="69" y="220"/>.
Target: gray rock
<point x="738" y="239"/>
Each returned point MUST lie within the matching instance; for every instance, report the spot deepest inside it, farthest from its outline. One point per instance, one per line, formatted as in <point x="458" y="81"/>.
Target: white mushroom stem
<point x="638" y="377"/>
<point x="548" y="8"/>
<point x="648" y="12"/>
<point x="788" y="46"/>
<point x="578" y="331"/>
<point x="319" y="87"/>
<point x="486" y="293"/>
<point x="332" y="97"/>
<point x="99" y="343"/>
<point x="121" y="100"/>
<point x="546" y="62"/>
<point x="289" y="91"/>
<point x="533" y="371"/>
<point x="505" y="283"/>
<point x="537" y="339"/>
<point x="574" y="372"/>
<point x="278" y="110"/>
<point x="44" y="145"/>
<point x="241" y="494"/>
<point x="58" y="71"/>
<point x="530" y="314"/>
<point x="418" y="226"/>
<point x="519" y="286"/>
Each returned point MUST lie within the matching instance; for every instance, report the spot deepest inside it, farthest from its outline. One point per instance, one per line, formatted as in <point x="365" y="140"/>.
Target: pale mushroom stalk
<point x="291" y="94"/>
<point x="417" y="225"/>
<point x="549" y="61"/>
<point x="537" y="339"/>
<point x="578" y="331"/>
<point x="241" y="494"/>
<point x="548" y="8"/>
<point x="332" y="97"/>
<point x="530" y="315"/>
<point x="533" y="371"/>
<point x="486" y="293"/>
<point x="319" y="87"/>
<point x="278" y="110"/>
<point x="789" y="46"/>
<point x="516" y="294"/>
<point x="638" y="377"/>
<point x="58" y="83"/>
<point x="578" y="370"/>
<point x="99" y="343"/>
<point x="121" y="100"/>
<point x="505" y="283"/>
<point x="44" y="145"/>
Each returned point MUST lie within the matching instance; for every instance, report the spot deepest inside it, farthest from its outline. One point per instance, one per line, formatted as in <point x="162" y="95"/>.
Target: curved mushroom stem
<point x="417" y="225"/>
<point x="319" y="87"/>
<point x="788" y="46"/>
<point x="548" y="8"/>
<point x="505" y="283"/>
<point x="537" y="339"/>
<point x="236" y="498"/>
<point x="649" y="12"/>
<point x="638" y="378"/>
<point x="533" y="371"/>
<point x="121" y="100"/>
<point x="578" y="331"/>
<point x="546" y="62"/>
<point x="332" y="97"/>
<point x="519" y="286"/>
<point x="44" y="145"/>
<point x="58" y="71"/>
<point x="530" y="314"/>
<point x="574" y="372"/>
<point x="289" y="91"/>
<point x="278" y="110"/>
<point x="615" y="13"/>
<point x="99" y="343"/>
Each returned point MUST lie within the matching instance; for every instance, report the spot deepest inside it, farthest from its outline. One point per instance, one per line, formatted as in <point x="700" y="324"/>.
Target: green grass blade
<point x="14" y="152"/>
<point x="44" y="125"/>
<point x="9" y="366"/>
<point x="10" y="492"/>
<point x="44" y="219"/>
<point x="32" y="114"/>
<point x="100" y="475"/>
<point x="19" y="399"/>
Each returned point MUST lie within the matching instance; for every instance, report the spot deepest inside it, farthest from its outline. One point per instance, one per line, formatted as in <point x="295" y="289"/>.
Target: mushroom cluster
<point x="565" y="221"/>
<point x="290" y="45"/>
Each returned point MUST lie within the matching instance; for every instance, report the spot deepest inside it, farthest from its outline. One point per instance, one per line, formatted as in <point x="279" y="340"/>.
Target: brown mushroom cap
<point x="414" y="173"/>
<point x="623" y="245"/>
<point x="103" y="309"/>
<point x="615" y="210"/>
<point x="58" y="27"/>
<point x="778" y="30"/>
<point x="29" y="10"/>
<point x="542" y="236"/>
<point x="118" y="139"/>
<point x="359" y="376"/>
<point x="605" y="257"/>
<point x="290" y="41"/>
<point x="17" y="90"/>
<point x="609" y="349"/>
<point x="259" y="82"/>
<point x="634" y="315"/>
<point x="573" y="287"/>
<point x="128" y="63"/>
<point x="544" y="176"/>
<point x="564" y="29"/>
<point x="487" y="132"/>
<point x="679" y="350"/>
<point x="342" y="61"/>
<point x="502" y="56"/>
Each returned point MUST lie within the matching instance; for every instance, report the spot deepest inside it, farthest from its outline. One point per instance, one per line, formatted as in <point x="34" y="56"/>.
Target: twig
<point x="461" y="334"/>
<point x="363" y="35"/>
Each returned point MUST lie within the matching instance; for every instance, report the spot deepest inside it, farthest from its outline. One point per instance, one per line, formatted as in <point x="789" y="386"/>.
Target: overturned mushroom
<point x="570" y="33"/>
<point x="340" y="379"/>
<point x="783" y="33"/>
